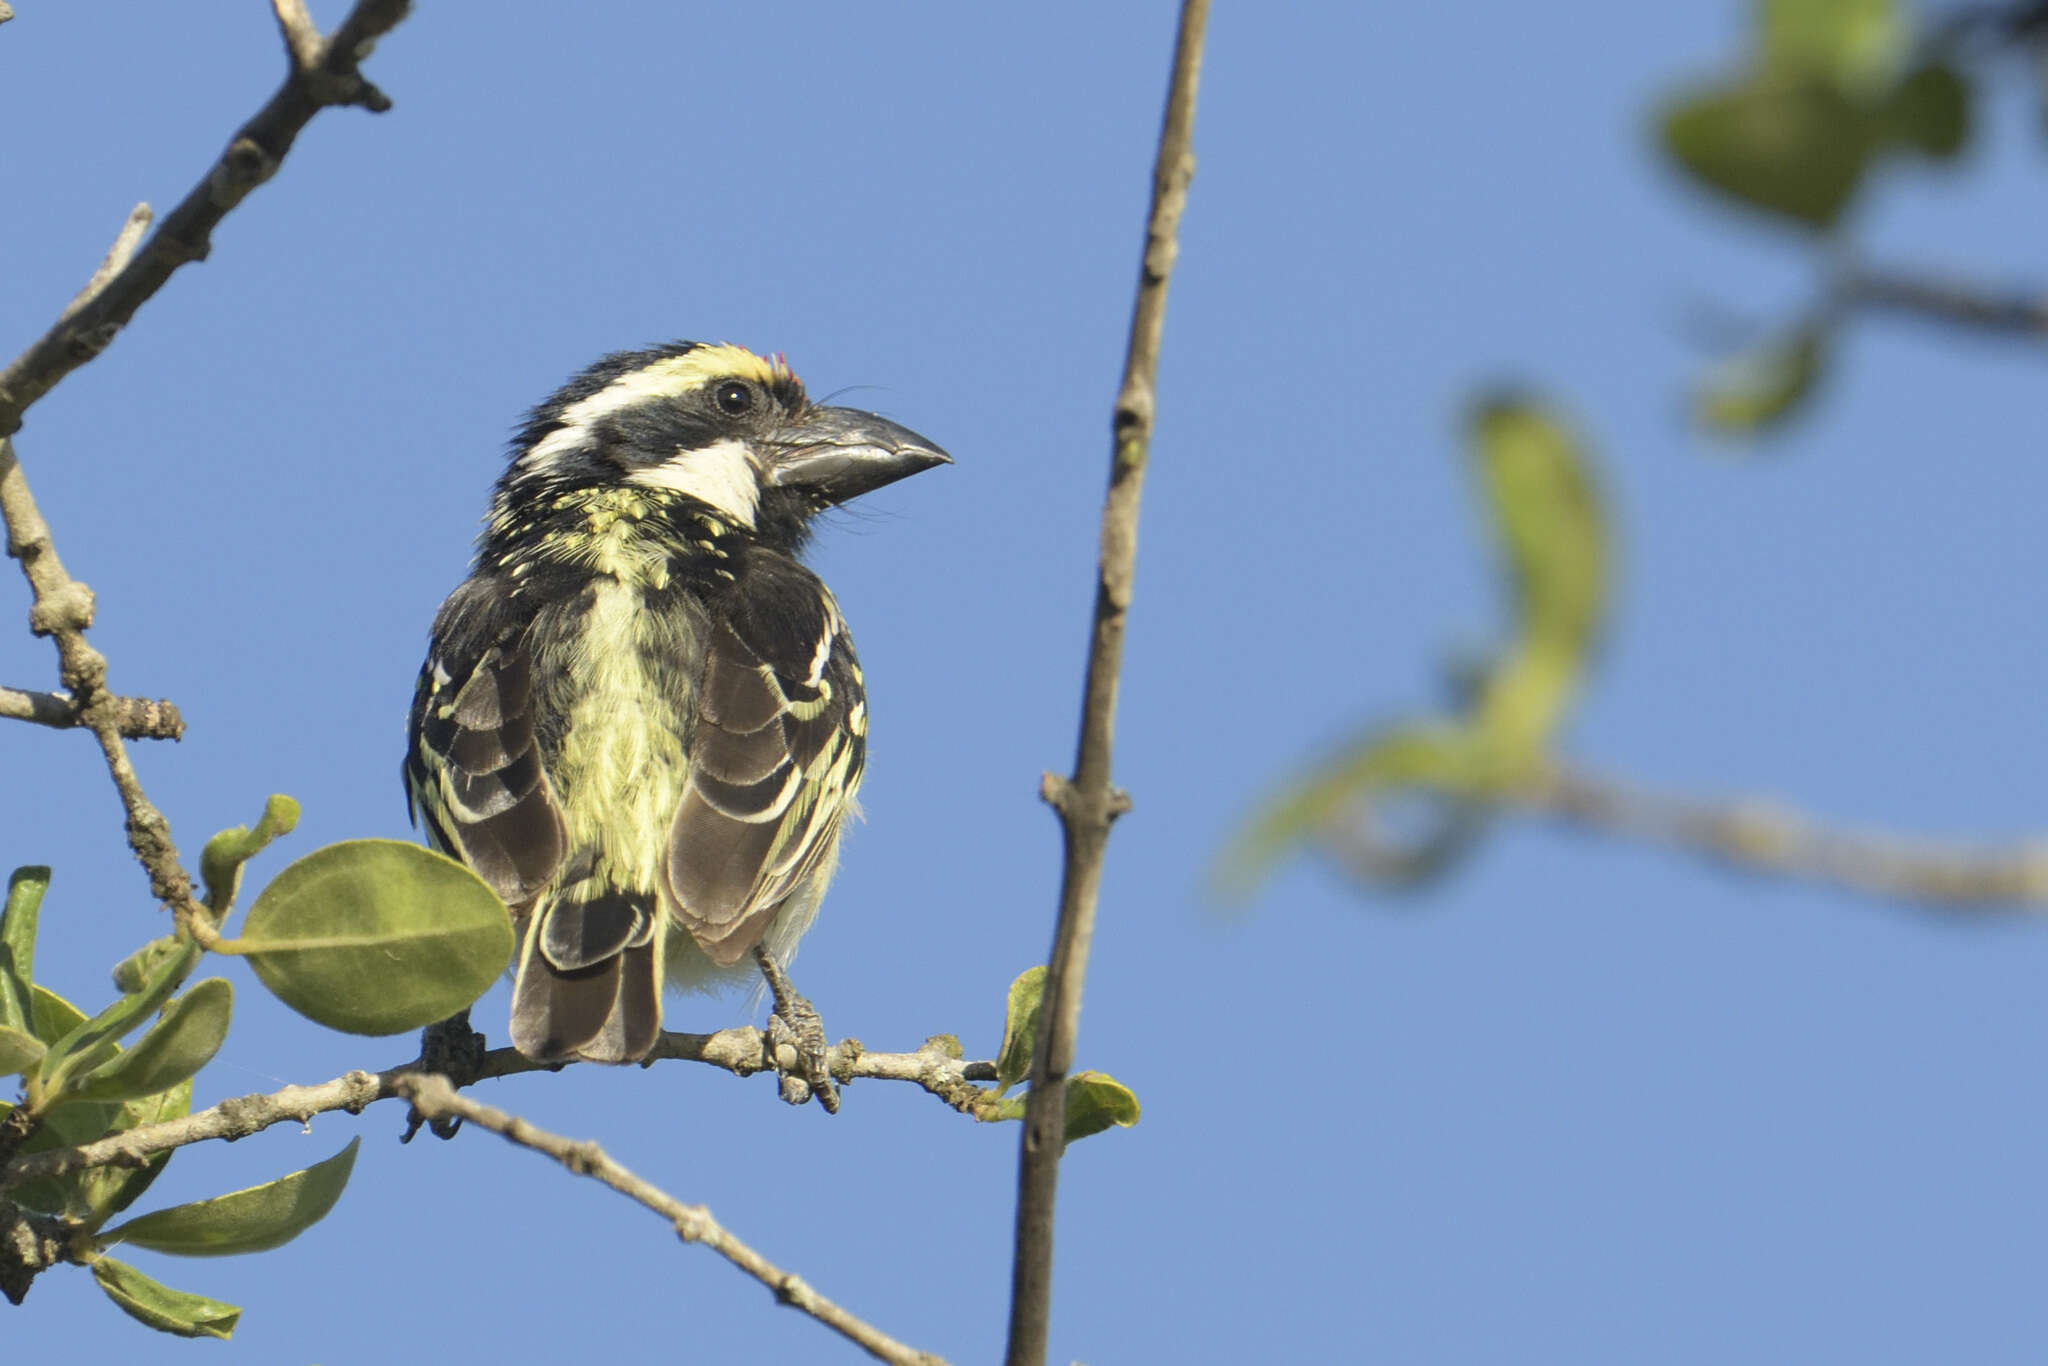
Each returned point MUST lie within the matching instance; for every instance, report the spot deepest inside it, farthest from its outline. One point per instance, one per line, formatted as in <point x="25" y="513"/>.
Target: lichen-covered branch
<point x="739" y="1051"/>
<point x="436" y="1099"/>
<point x="137" y="718"/>
<point x="1088" y="802"/>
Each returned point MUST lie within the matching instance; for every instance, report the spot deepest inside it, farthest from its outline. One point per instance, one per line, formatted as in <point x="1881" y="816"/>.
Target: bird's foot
<point x="796" y="1041"/>
<point x="455" y="1051"/>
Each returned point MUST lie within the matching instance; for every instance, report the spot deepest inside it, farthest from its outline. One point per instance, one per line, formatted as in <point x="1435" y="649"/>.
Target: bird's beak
<point x="841" y="453"/>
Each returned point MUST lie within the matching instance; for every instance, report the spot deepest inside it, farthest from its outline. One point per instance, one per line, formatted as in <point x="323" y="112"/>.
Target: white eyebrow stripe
<point x="722" y="475"/>
<point x="627" y="391"/>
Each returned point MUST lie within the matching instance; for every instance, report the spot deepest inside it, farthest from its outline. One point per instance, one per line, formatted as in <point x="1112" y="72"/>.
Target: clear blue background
<point x="1585" y="1102"/>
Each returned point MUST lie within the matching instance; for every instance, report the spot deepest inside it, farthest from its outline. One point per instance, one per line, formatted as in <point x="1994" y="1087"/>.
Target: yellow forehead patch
<point x="698" y="367"/>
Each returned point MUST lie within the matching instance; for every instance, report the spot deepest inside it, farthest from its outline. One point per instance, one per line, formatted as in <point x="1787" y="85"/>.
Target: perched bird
<point x="640" y="719"/>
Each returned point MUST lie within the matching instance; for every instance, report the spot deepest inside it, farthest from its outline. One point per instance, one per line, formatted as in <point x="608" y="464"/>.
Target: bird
<point x="641" y="720"/>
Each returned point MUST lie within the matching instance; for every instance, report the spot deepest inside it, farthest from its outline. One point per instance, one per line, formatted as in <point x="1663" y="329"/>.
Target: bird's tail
<point x="589" y="979"/>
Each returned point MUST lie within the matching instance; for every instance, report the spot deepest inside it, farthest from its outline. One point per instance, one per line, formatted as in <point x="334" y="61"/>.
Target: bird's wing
<point x="775" y="758"/>
<point x="473" y="773"/>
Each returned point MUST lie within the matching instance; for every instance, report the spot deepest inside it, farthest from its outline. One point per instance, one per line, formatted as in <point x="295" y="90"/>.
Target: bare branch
<point x="137" y="718"/>
<point x="742" y="1052"/>
<point x="1768" y="838"/>
<point x="253" y="155"/>
<point x="1948" y="301"/>
<point x="117" y="258"/>
<point x="435" y="1098"/>
<point x="1087" y="803"/>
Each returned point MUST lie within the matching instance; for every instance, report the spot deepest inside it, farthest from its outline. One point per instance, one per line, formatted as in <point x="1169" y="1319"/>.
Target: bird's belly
<point x="619" y="763"/>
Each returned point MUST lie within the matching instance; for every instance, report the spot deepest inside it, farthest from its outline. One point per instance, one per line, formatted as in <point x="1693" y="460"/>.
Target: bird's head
<point x="718" y="424"/>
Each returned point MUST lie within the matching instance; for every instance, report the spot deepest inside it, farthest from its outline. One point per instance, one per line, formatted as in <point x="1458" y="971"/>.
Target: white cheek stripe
<point x="721" y="475"/>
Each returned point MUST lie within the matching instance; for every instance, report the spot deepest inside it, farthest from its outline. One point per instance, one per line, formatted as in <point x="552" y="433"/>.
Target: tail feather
<point x="604" y="1011"/>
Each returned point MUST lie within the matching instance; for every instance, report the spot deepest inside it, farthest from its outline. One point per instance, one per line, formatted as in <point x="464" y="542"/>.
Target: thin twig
<point x="1087" y="803"/>
<point x="1948" y="301"/>
<point x="253" y="155"/>
<point x="739" y="1051"/>
<point x="436" y="1099"/>
<point x="137" y="718"/>
<point x="1766" y="837"/>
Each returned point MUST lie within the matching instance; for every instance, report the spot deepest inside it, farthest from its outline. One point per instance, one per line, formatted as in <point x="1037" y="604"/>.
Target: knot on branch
<point x="67" y="607"/>
<point x="245" y="165"/>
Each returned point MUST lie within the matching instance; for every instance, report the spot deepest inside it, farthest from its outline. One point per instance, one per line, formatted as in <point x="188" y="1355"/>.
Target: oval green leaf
<point x="1930" y="112"/>
<point x="252" y="1220"/>
<point x="377" y="936"/>
<point x="1546" y="514"/>
<point x="94" y="1042"/>
<point x="176" y="1047"/>
<point x="1854" y="44"/>
<point x="162" y="1308"/>
<point x="1759" y="389"/>
<point x="1795" y="148"/>
<point x="1020" y="1028"/>
<point x="1096" y="1102"/>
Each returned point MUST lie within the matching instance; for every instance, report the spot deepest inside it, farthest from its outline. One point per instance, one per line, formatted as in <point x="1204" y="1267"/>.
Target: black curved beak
<point x="841" y="453"/>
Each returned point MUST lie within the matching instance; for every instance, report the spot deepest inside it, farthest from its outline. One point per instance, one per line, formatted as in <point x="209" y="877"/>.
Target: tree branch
<point x="1765" y="837"/>
<point x="742" y="1052"/>
<point x="322" y="74"/>
<point x="1087" y="803"/>
<point x="1947" y="301"/>
<point x="434" y="1097"/>
<point x="137" y="718"/>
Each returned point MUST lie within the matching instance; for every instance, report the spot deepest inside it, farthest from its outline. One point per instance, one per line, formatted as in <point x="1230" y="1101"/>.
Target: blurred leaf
<point x="377" y="936"/>
<point x="162" y="1308"/>
<point x="1756" y="390"/>
<point x="176" y="1047"/>
<point x="1096" y="1102"/>
<point x="1020" y="1028"/>
<point x="1441" y="757"/>
<point x="221" y="863"/>
<point x="95" y="1041"/>
<point x="106" y="1191"/>
<point x="25" y="890"/>
<point x="1930" y="112"/>
<point x="19" y="1051"/>
<point x="1796" y="148"/>
<point x="1547" y="517"/>
<point x="252" y="1220"/>
<point x="131" y="972"/>
<point x="1855" y="44"/>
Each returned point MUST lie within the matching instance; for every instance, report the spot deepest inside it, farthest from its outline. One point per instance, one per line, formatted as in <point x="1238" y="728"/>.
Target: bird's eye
<point x="733" y="398"/>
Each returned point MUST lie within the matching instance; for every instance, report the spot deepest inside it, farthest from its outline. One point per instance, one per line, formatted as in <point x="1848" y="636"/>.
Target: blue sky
<point x="1581" y="1102"/>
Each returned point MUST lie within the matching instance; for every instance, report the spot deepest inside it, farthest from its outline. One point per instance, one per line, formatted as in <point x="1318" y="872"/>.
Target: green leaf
<point x="1855" y="45"/>
<point x="1096" y="1102"/>
<point x="1795" y="148"/>
<point x="252" y="1220"/>
<point x="95" y="1041"/>
<point x="1546" y="514"/>
<point x="176" y="1047"/>
<point x="162" y="1308"/>
<point x="106" y="1191"/>
<point x="25" y="890"/>
<point x="19" y="1051"/>
<point x="1761" y="388"/>
<point x="377" y="936"/>
<point x="1437" y="757"/>
<point x="221" y="863"/>
<point x="54" y="1016"/>
<point x="1930" y="112"/>
<point x="1020" y="1028"/>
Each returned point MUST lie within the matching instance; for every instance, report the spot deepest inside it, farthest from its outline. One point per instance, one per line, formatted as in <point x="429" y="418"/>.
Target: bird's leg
<point x="454" y="1050"/>
<point x="794" y="1022"/>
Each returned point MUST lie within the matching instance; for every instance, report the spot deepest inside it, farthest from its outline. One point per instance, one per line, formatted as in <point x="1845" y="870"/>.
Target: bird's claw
<point x="796" y="1042"/>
